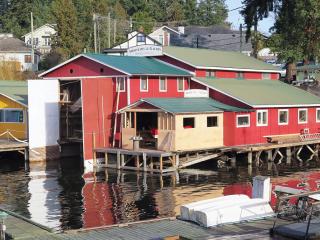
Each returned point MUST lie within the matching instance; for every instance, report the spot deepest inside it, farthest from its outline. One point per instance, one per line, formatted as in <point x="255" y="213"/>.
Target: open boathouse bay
<point x="61" y="196"/>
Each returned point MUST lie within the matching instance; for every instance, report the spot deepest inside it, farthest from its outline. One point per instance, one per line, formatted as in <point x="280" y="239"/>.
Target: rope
<point x="12" y="136"/>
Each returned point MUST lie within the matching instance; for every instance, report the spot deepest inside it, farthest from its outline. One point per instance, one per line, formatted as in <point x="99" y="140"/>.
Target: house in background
<point x="42" y="38"/>
<point x="15" y="51"/>
<point x="13" y="109"/>
<point x="163" y="35"/>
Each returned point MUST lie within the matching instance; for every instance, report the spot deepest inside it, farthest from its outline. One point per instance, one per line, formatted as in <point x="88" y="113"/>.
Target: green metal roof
<point x="15" y="90"/>
<point x="137" y="65"/>
<point x="262" y="92"/>
<point x="217" y="59"/>
<point x="190" y="105"/>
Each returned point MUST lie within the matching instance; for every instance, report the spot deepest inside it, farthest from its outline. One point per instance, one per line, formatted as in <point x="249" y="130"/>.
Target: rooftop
<point x="206" y="58"/>
<point x="15" y="90"/>
<point x="137" y="65"/>
<point x="11" y="44"/>
<point x="189" y="105"/>
<point x="259" y="93"/>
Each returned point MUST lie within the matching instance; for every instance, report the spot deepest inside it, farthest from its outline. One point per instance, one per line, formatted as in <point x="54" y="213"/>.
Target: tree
<point x="296" y="33"/>
<point x="190" y="8"/>
<point x="67" y="42"/>
<point x="143" y="21"/>
<point x="212" y="12"/>
<point x="175" y="11"/>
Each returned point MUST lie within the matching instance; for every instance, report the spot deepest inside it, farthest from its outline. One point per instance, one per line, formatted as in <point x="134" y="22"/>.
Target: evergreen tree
<point x="67" y="42"/>
<point x="143" y="21"/>
<point x="190" y="8"/>
<point x="212" y="12"/>
<point x="175" y="11"/>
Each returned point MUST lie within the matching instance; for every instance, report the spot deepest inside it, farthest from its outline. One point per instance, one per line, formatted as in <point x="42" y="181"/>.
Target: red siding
<point x="226" y="74"/>
<point x="82" y="67"/>
<point x="252" y="75"/>
<point x="226" y="99"/>
<point x="254" y="134"/>
<point x="153" y="88"/>
<point x="275" y="76"/>
<point x="96" y="96"/>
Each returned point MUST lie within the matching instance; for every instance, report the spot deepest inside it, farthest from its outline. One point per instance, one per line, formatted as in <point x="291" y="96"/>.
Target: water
<point x="61" y="196"/>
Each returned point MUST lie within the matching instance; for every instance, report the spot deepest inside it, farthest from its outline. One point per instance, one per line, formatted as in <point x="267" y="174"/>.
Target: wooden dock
<point x="14" y="146"/>
<point x="149" y="160"/>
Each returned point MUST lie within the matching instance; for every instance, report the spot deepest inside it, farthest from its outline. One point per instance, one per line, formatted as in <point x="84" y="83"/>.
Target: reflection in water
<point x="60" y="196"/>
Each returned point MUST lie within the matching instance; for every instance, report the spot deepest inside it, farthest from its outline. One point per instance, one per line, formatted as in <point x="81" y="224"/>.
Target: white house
<point x="14" y="50"/>
<point x="141" y="44"/>
<point x="42" y="38"/>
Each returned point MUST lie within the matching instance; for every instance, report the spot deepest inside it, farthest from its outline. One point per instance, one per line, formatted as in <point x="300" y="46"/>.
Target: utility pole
<point x="255" y="49"/>
<point x="32" y="42"/>
<point x="95" y="32"/>
<point x="241" y="43"/>
<point x="114" y="31"/>
<point x="109" y="30"/>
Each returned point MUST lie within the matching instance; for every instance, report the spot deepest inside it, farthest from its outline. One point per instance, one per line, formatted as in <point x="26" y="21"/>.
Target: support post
<point x="106" y="159"/>
<point x="269" y="157"/>
<point x="177" y="161"/>
<point x="144" y="158"/>
<point x="118" y="160"/>
<point x="289" y="155"/>
<point x="122" y="161"/>
<point x="151" y="163"/>
<point x="161" y="164"/>
<point x="233" y="161"/>
<point x="137" y="162"/>
<point x="26" y="154"/>
<point x="249" y="158"/>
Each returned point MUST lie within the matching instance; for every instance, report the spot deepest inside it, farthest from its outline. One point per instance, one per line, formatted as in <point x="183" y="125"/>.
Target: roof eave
<point x="15" y="100"/>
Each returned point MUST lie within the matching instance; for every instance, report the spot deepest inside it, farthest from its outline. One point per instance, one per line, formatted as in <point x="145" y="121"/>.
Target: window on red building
<point x="121" y="87"/>
<point x="144" y="84"/>
<point x="163" y="84"/>
<point x="240" y="75"/>
<point x="180" y="82"/>
<point x="283" y="116"/>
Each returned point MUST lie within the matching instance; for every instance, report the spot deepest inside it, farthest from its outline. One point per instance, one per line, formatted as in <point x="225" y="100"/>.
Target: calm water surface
<point x="60" y="195"/>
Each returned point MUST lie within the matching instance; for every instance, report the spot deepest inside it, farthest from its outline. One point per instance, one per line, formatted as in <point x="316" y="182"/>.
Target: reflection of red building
<point x="97" y="204"/>
<point x="308" y="182"/>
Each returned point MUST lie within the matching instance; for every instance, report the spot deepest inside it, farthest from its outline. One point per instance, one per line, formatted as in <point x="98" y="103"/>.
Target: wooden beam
<point x="118" y="160"/>
<point x="161" y="164"/>
<point x="106" y="159"/>
<point x="144" y="158"/>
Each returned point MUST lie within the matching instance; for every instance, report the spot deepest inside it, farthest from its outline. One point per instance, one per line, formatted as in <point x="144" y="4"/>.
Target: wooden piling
<point x="106" y="159"/>
<point x="138" y="162"/>
<point x="93" y="149"/>
<point x="122" y="161"/>
<point x="289" y="155"/>
<point x="118" y="160"/>
<point x="144" y="158"/>
<point x="161" y="164"/>
<point x="177" y="161"/>
<point x="250" y="158"/>
<point x="269" y="155"/>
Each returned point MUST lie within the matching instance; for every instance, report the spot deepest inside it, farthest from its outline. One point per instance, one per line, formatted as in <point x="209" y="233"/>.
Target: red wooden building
<point x="94" y="87"/>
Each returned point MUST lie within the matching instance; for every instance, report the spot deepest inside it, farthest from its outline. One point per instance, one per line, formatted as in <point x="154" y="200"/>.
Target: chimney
<point x="181" y="29"/>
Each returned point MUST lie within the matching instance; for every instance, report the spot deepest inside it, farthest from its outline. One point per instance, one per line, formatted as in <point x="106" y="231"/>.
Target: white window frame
<point x="283" y="110"/>
<point x="262" y="124"/>
<point x="317" y="120"/>
<point x="166" y="84"/>
<point x="302" y="109"/>
<point x="13" y="109"/>
<point x="243" y="115"/>
<point x="179" y="79"/>
<point x="117" y="84"/>
<point x="144" y="90"/>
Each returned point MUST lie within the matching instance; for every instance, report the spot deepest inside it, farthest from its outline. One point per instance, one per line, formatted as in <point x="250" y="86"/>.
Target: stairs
<point x="189" y="161"/>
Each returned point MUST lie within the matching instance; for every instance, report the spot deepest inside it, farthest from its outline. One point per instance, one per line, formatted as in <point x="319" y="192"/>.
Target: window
<point x="162" y="84"/>
<point x="144" y="84"/>
<point x="212" y="121"/>
<point x="318" y="115"/>
<point x="180" y="82"/>
<point x="121" y="87"/>
<point x="240" y="75"/>
<point x="283" y="117"/>
<point x="302" y="116"/>
<point x="188" y="122"/>
<point x="161" y="39"/>
<point x="141" y="38"/>
<point x="11" y="115"/>
<point x="47" y="41"/>
<point x="243" y="121"/>
<point x="266" y="76"/>
<point x="27" y="58"/>
<point x="262" y="118"/>
<point x="210" y="73"/>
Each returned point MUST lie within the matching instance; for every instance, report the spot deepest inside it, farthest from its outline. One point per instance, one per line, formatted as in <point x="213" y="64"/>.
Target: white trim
<point x="300" y="110"/>
<point x="283" y="110"/>
<point x="81" y="77"/>
<point x="243" y="115"/>
<point x="76" y="57"/>
<point x="128" y="91"/>
<point x="12" y="99"/>
<point x="166" y="84"/>
<point x="82" y="124"/>
<point x="14" y="109"/>
<point x="257" y="114"/>
<point x="222" y="68"/>
<point x="144" y="90"/>
<point x="117" y="84"/>
<point x="179" y="79"/>
<point x="317" y="120"/>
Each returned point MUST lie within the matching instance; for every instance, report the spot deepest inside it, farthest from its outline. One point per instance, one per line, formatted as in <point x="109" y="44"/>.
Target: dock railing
<point x="298" y="208"/>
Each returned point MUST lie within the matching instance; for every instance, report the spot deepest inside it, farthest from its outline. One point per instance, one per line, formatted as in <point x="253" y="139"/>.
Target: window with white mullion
<point x="283" y="116"/>
<point x="262" y="118"/>
<point x="162" y="84"/>
<point x="243" y="121"/>
<point x="302" y="116"/>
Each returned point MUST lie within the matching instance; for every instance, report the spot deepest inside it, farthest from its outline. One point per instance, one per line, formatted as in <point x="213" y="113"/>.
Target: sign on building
<point x="196" y="93"/>
<point x="145" y="51"/>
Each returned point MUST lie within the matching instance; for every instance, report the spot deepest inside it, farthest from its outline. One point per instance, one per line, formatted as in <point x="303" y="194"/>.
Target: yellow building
<point x="13" y="109"/>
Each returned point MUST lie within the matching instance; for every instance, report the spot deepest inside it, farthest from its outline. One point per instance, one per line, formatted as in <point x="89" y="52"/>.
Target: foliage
<point x="142" y="21"/>
<point x="211" y="12"/>
<point x="66" y="42"/>
<point x="296" y="31"/>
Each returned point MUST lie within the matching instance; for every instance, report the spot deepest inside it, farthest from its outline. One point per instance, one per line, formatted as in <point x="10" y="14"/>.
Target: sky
<point x="235" y="17"/>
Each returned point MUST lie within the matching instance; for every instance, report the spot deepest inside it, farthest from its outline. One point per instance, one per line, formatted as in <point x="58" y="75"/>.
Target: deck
<point x="168" y="228"/>
<point x="10" y="146"/>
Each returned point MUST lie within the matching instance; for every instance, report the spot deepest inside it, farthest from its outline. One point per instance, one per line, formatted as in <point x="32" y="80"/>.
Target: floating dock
<point x="14" y="146"/>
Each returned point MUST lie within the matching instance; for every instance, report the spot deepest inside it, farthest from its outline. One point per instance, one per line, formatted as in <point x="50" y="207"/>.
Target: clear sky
<point x="235" y="17"/>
